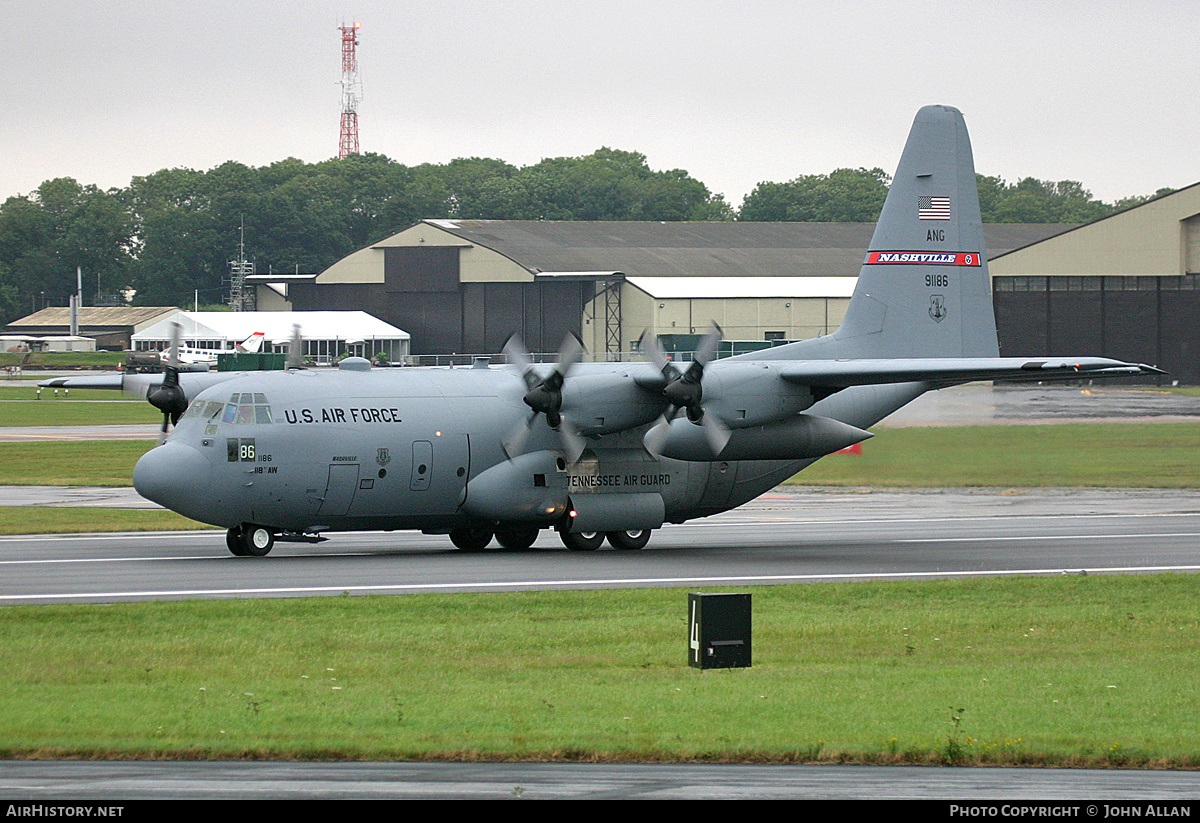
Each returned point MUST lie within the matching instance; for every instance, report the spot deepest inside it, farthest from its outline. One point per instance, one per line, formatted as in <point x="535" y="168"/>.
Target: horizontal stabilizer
<point x="839" y="374"/>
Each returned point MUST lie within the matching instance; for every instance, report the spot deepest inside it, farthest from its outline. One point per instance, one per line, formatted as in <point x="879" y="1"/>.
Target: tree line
<point x="171" y="234"/>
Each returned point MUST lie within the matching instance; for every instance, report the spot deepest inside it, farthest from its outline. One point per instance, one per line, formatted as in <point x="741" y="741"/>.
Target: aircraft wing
<point x="138" y="384"/>
<point x="946" y="371"/>
<point x="91" y="381"/>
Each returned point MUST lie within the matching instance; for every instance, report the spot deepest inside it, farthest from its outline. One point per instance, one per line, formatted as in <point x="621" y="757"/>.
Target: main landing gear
<point x="590" y="541"/>
<point x="521" y="537"/>
<point x="513" y="537"/>
<point x="249" y="540"/>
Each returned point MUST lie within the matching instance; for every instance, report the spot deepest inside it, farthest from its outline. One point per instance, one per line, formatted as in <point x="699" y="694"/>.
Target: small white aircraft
<point x="192" y="356"/>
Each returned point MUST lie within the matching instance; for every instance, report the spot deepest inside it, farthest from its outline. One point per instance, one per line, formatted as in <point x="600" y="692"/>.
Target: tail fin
<point x="924" y="289"/>
<point x="252" y="343"/>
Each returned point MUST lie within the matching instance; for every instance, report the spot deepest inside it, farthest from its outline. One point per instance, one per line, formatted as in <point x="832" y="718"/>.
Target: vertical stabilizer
<point x="924" y="289"/>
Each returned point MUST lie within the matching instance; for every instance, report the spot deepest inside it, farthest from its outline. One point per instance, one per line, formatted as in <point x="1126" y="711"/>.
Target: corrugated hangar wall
<point x="1142" y="318"/>
<point x="1127" y="287"/>
<point x="422" y="293"/>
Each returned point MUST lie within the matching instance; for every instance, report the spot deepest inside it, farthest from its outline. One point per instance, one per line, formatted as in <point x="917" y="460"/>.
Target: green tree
<point x="842" y="196"/>
<point x="46" y="236"/>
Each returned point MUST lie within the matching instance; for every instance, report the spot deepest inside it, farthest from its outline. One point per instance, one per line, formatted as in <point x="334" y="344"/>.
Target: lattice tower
<point x="351" y="91"/>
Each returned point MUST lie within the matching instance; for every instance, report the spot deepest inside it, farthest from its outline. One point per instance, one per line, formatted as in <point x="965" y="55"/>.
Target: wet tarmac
<point x="984" y="404"/>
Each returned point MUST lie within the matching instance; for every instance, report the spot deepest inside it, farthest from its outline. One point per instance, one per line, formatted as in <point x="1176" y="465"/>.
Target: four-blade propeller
<point x="544" y="395"/>
<point x="685" y="391"/>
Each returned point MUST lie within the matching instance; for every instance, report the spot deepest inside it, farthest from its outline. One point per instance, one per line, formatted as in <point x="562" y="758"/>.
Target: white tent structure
<point x="326" y="334"/>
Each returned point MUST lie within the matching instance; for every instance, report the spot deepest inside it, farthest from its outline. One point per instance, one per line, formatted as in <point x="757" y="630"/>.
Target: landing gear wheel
<point x="471" y="538"/>
<point x="233" y="541"/>
<point x="582" y="541"/>
<point x="629" y="540"/>
<point x="516" y="538"/>
<point x="256" y="541"/>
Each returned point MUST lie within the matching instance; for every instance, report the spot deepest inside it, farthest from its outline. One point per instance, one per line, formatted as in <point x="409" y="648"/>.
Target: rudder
<point x="924" y="289"/>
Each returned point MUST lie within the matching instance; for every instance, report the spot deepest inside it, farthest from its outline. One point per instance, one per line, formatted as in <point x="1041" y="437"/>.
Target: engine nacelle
<point x="798" y="438"/>
<point x="609" y="402"/>
<point x="746" y="395"/>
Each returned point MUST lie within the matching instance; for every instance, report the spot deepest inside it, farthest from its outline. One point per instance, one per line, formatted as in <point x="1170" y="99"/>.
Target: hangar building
<point x="111" y="328"/>
<point x="1126" y="286"/>
<point x="464" y="286"/>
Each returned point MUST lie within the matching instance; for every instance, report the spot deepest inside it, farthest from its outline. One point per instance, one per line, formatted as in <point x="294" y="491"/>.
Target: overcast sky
<point x="733" y="92"/>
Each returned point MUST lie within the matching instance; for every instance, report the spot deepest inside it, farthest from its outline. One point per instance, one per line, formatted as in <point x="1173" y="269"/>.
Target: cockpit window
<point x="245" y="408"/>
<point x="204" y="411"/>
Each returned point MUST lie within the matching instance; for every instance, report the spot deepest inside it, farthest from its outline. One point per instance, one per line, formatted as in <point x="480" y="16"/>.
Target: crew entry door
<point x="339" y="491"/>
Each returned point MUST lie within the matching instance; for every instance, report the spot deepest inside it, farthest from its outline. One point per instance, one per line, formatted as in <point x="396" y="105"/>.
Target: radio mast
<point x="351" y="91"/>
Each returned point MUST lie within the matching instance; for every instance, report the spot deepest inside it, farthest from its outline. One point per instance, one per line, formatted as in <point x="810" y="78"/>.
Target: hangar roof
<point x="92" y="317"/>
<point x="678" y="249"/>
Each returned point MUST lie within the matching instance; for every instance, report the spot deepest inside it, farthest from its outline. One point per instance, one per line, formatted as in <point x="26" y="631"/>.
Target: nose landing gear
<point x="249" y="540"/>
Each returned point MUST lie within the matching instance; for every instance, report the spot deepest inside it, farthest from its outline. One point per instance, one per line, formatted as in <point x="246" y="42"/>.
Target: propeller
<point x="295" y="352"/>
<point x="685" y="391"/>
<point x="544" y="396"/>
<point x="169" y="397"/>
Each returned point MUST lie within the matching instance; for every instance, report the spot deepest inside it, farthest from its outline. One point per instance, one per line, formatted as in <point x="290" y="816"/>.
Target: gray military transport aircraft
<point x="595" y="450"/>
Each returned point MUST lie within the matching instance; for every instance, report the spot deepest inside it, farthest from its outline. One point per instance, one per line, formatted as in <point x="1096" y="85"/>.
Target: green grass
<point x="1068" y="671"/>
<point x="50" y="412"/>
<point x="1114" y="455"/>
<point x="28" y="391"/>
<point x="71" y="463"/>
<point x="85" y="519"/>
<point x="63" y="360"/>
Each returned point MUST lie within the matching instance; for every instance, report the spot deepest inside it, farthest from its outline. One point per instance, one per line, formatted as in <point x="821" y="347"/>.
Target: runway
<point x="788" y="536"/>
<point x="72" y="780"/>
<point x="792" y="535"/>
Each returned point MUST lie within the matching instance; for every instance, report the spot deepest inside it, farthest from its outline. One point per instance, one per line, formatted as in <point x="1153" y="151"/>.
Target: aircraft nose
<point x="177" y="477"/>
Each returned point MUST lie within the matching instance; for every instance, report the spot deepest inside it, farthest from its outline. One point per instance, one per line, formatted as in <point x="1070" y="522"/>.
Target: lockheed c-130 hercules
<point x="596" y="450"/>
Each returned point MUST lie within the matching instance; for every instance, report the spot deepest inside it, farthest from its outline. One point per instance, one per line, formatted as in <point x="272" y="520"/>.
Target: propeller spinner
<point x="169" y="397"/>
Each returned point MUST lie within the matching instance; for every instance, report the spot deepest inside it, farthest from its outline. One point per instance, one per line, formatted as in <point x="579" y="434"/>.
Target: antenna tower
<point x="240" y="298"/>
<point x="351" y="91"/>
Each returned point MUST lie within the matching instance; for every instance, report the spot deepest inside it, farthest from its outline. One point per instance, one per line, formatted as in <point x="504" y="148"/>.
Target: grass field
<point x="1066" y="671"/>
<point x="63" y="360"/>
<point x="71" y="463"/>
<point x="28" y="390"/>
<point x="1112" y="455"/>
<point x="84" y="520"/>
<point x="74" y="412"/>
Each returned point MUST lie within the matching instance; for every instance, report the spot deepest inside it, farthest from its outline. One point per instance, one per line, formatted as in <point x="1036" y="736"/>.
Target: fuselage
<point x="311" y="451"/>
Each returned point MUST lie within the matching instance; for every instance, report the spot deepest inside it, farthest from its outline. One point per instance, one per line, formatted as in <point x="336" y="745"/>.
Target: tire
<point x="257" y="541"/>
<point x="516" y="537"/>
<point x="471" y="538"/>
<point x="629" y="540"/>
<point x="233" y="541"/>
<point x="582" y="541"/>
